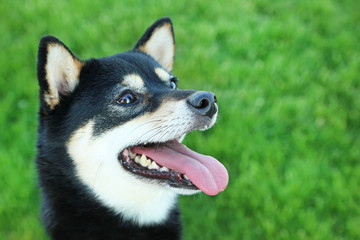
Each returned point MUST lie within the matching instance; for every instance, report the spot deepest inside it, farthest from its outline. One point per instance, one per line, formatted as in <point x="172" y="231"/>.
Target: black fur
<point x="69" y="209"/>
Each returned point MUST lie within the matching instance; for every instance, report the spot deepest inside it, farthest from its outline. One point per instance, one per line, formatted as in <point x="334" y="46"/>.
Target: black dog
<point x="110" y="161"/>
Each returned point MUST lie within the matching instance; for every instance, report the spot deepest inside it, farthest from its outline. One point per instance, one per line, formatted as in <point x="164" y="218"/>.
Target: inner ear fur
<point x="159" y="42"/>
<point x="58" y="70"/>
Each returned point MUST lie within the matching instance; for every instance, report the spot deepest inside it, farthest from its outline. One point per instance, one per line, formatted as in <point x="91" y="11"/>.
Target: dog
<point x="109" y="160"/>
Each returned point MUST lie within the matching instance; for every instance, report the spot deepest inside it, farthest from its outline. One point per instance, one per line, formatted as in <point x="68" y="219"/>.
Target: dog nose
<point x="203" y="103"/>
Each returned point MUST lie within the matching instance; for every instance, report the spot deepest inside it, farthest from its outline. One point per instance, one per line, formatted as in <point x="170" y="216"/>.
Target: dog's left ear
<point x="158" y="41"/>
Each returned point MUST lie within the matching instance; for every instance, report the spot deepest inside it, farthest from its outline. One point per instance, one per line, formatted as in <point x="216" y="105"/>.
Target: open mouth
<point x="176" y="164"/>
<point x="141" y="165"/>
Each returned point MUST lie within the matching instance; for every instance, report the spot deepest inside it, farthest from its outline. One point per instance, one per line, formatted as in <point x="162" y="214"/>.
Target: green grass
<point x="287" y="78"/>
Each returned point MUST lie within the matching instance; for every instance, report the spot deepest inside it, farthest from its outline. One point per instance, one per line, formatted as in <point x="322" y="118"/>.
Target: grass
<point x="286" y="74"/>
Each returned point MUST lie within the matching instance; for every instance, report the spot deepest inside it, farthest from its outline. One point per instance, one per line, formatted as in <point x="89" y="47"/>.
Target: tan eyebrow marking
<point x="163" y="75"/>
<point x="133" y="80"/>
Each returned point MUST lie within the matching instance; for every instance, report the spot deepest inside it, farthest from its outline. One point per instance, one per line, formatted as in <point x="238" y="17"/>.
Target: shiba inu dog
<point x="109" y="160"/>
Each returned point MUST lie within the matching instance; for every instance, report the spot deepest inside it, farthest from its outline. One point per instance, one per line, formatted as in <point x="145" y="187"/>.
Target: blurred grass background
<point x="286" y="75"/>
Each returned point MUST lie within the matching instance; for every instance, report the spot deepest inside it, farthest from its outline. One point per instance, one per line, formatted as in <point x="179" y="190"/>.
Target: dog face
<point x="120" y="121"/>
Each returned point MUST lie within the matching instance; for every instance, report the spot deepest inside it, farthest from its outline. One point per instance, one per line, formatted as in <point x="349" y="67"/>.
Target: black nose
<point x="203" y="103"/>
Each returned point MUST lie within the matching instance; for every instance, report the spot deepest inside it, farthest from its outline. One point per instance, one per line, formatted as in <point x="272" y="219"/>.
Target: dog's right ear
<point x="58" y="71"/>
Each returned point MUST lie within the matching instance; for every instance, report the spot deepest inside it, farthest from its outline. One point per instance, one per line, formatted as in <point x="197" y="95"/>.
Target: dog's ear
<point x="58" y="71"/>
<point x="158" y="41"/>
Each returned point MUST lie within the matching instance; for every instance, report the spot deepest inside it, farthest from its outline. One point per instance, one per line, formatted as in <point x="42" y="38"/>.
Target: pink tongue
<point x="205" y="172"/>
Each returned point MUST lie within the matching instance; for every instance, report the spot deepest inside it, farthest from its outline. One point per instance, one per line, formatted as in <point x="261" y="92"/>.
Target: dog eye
<point x="126" y="98"/>
<point x="173" y="83"/>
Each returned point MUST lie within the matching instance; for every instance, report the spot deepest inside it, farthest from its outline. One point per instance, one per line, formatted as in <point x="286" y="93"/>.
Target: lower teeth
<point x="145" y="162"/>
<point x="164" y="169"/>
<point x="150" y="164"/>
<point x="132" y="155"/>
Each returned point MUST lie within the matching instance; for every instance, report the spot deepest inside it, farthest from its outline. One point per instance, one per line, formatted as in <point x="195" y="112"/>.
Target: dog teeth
<point x="143" y="158"/>
<point x="153" y="165"/>
<point x="137" y="159"/>
<point x="144" y="161"/>
<point x="186" y="177"/>
<point x="148" y="162"/>
<point x="164" y="169"/>
<point x="132" y="155"/>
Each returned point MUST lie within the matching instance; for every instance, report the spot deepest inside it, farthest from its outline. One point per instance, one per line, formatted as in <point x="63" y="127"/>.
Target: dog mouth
<point x="177" y="165"/>
<point x="140" y="164"/>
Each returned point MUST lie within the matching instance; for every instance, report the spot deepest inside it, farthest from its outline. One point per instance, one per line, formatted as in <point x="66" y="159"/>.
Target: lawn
<point x="287" y="79"/>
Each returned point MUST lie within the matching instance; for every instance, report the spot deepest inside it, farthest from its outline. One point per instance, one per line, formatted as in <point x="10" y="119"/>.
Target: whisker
<point x="166" y="130"/>
<point x="157" y="119"/>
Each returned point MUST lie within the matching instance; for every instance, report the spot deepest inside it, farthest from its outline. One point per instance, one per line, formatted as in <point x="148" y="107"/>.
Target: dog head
<point x="120" y="121"/>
